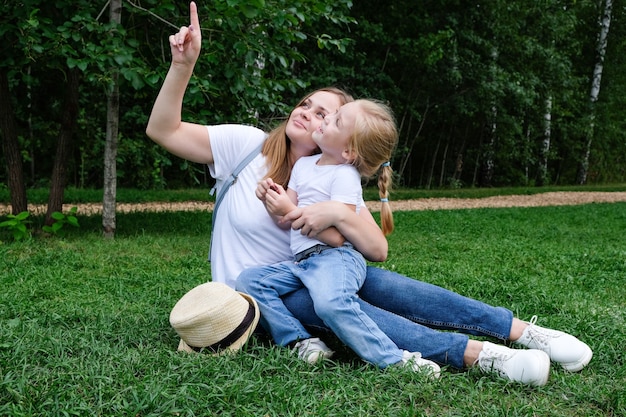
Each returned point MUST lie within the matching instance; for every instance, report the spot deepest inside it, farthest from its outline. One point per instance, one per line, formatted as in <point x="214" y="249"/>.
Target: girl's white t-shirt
<point x="245" y="235"/>
<point x="316" y="183"/>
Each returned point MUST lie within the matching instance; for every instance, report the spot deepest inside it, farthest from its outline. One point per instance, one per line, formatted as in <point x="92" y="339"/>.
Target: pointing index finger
<point x="193" y="16"/>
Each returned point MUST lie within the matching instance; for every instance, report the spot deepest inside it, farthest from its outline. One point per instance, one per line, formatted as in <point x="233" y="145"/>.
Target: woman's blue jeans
<point x="414" y="313"/>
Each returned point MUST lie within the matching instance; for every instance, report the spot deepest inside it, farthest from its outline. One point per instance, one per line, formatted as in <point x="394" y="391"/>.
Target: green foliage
<point x="244" y="75"/>
<point x="17" y="225"/>
<point x="452" y="71"/>
<point x="84" y="328"/>
<point x="60" y="220"/>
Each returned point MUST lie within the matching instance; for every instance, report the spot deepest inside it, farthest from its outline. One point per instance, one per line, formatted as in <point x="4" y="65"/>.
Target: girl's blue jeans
<point x="332" y="277"/>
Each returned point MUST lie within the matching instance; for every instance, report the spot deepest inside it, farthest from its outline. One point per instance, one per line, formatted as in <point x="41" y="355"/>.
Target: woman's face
<point x="307" y="118"/>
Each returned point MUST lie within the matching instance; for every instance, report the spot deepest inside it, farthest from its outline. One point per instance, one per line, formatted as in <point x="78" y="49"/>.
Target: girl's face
<point x="333" y="135"/>
<point x="307" y="118"/>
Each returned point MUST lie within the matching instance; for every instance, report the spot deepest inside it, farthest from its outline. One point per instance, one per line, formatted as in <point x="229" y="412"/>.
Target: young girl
<point x="356" y="141"/>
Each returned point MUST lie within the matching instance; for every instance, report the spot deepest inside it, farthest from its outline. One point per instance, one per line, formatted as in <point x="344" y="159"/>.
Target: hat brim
<point x="237" y="344"/>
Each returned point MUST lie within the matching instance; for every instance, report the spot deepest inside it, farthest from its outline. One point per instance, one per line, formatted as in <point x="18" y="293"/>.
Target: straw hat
<point x="214" y="317"/>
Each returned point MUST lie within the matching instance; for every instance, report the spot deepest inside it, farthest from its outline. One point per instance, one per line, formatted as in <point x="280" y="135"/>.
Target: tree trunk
<point x="433" y="162"/>
<point x="605" y="24"/>
<point x="488" y="154"/>
<point x="542" y="175"/>
<point x="442" y="173"/>
<point x="64" y="145"/>
<point x="414" y="139"/>
<point x="110" y="149"/>
<point x="459" y="161"/>
<point x="11" y="148"/>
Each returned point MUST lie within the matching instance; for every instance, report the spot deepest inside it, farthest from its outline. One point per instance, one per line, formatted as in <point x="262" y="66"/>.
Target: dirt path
<point x="535" y="200"/>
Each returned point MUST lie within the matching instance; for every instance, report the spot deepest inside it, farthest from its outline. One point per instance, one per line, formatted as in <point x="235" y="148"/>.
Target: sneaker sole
<point x="321" y="356"/>
<point x="580" y="364"/>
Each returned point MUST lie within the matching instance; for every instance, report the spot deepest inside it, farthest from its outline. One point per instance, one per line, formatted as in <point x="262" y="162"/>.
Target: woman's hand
<point x="359" y="229"/>
<point x="314" y="219"/>
<point x="186" y="43"/>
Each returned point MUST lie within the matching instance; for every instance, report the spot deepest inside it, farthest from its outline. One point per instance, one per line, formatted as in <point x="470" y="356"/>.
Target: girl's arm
<point x="359" y="229"/>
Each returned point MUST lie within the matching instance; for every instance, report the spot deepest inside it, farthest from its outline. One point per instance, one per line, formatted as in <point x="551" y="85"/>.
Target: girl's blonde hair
<point x="372" y="143"/>
<point x="276" y="148"/>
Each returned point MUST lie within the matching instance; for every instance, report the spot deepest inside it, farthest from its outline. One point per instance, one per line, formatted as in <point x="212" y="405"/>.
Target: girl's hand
<point x="277" y="201"/>
<point x="263" y="187"/>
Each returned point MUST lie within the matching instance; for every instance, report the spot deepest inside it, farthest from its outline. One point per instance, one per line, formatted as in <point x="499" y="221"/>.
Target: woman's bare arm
<point x="165" y="127"/>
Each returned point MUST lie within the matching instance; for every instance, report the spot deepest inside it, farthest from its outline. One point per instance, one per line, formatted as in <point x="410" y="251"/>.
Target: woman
<point x="356" y="141"/>
<point x="245" y="236"/>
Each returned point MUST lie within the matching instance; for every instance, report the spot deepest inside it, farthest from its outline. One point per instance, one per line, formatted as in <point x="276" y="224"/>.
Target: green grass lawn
<point x="84" y="321"/>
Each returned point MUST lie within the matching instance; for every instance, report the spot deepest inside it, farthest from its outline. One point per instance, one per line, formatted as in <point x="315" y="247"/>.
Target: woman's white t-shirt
<point x="245" y="235"/>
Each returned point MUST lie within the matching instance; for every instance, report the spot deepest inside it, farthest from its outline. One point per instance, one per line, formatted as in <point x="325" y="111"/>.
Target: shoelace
<point x="496" y="361"/>
<point x="542" y="336"/>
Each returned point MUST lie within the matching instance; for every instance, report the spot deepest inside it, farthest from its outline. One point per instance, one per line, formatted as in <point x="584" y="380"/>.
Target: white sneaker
<point x="419" y="364"/>
<point x="313" y="350"/>
<point x="562" y="348"/>
<point x="530" y="366"/>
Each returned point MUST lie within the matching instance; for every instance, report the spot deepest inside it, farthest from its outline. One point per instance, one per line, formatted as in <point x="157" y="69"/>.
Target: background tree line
<point x="486" y="93"/>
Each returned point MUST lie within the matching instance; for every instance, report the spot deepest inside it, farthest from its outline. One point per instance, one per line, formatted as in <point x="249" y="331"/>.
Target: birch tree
<point x="542" y="168"/>
<point x="605" y="24"/>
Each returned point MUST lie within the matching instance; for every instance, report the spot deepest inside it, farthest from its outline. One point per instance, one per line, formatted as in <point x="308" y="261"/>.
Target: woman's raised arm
<point x="165" y="127"/>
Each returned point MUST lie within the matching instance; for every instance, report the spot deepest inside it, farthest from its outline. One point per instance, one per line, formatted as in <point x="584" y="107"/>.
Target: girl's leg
<point x="527" y="365"/>
<point x="333" y="278"/>
<point x="266" y="284"/>
<point x="442" y="347"/>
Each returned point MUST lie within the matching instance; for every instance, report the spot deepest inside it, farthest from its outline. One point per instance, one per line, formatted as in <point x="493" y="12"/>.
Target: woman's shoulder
<point x="235" y="130"/>
<point x="235" y="139"/>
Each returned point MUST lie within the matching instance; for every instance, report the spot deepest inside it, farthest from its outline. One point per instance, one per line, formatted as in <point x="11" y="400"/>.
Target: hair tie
<point x="385" y="164"/>
<point x="384" y="200"/>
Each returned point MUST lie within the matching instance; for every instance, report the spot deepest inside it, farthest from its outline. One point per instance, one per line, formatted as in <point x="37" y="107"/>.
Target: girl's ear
<point x="349" y="155"/>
